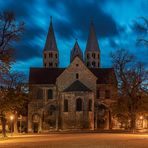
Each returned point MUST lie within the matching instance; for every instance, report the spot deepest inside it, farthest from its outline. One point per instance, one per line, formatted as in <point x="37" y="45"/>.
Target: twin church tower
<point x="92" y="51"/>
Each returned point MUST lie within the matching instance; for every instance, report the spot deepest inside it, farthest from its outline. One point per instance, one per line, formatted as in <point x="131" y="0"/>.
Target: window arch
<point x="93" y="63"/>
<point x="50" y="94"/>
<point x="107" y="94"/>
<point x="77" y="76"/>
<point x="88" y="64"/>
<point x="40" y="93"/>
<point x="79" y="104"/>
<point x="51" y="110"/>
<point x="88" y="56"/>
<point x="90" y="105"/>
<point x="65" y="105"/>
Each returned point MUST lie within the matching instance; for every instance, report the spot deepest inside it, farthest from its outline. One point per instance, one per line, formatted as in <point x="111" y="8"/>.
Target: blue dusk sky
<point x="113" y="20"/>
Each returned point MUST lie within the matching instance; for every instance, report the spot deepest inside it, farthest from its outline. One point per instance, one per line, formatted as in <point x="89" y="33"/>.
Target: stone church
<point x="77" y="97"/>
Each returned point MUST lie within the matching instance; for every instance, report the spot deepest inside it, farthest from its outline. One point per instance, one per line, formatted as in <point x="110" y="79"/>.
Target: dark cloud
<point x="73" y="23"/>
<point x="79" y="16"/>
<point x="71" y="19"/>
<point x="113" y="43"/>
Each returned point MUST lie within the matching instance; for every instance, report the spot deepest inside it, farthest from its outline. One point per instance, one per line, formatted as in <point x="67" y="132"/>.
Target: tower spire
<point x="50" y="52"/>
<point x="92" y="42"/>
<point x="76" y="51"/>
<point x="92" y="51"/>
<point x="51" y="44"/>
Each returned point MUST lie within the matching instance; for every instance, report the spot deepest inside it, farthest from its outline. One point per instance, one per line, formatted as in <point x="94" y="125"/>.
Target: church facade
<point x="73" y="98"/>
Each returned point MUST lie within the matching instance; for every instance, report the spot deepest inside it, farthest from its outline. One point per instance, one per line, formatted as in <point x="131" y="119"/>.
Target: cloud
<point x="71" y="19"/>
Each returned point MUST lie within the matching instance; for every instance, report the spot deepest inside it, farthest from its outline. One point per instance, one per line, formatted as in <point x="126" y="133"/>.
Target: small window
<point x="50" y="94"/>
<point x="88" y="56"/>
<point x="50" y="64"/>
<point x="51" y="110"/>
<point x="77" y="76"/>
<point x="44" y="55"/>
<point x="94" y="64"/>
<point x="98" y="64"/>
<point x="107" y="94"/>
<point x="90" y="105"/>
<point x="77" y="65"/>
<point x="45" y="64"/>
<point x="98" y="94"/>
<point x="56" y="65"/>
<point x="56" y="56"/>
<point x="79" y="104"/>
<point x="65" y="105"/>
<point x="88" y="64"/>
<point x="94" y="55"/>
<point x="50" y="55"/>
<point x="39" y="94"/>
<point x="98" y="56"/>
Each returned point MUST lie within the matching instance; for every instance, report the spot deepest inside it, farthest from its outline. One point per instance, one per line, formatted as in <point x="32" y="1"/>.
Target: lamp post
<point x="11" y="119"/>
<point x="141" y="119"/>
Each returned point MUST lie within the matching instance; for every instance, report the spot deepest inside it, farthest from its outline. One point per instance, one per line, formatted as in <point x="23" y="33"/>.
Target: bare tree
<point x="132" y="76"/>
<point x="13" y="96"/>
<point x="141" y="26"/>
<point x="10" y="32"/>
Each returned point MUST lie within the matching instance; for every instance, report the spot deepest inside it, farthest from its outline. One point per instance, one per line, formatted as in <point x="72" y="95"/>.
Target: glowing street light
<point x="141" y="117"/>
<point x="11" y="119"/>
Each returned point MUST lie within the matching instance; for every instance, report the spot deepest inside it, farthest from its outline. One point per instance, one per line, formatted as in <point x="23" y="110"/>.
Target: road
<point x="77" y="140"/>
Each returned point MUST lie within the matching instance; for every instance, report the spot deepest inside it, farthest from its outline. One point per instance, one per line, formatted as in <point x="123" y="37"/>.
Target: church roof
<point x="92" y="42"/>
<point x="49" y="75"/>
<point x="51" y="44"/>
<point x="44" y="75"/>
<point x="76" y="51"/>
<point x="77" y="86"/>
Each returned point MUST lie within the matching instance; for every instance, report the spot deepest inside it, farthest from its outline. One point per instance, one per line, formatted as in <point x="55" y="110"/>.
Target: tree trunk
<point x="133" y="122"/>
<point x="15" y="123"/>
<point x="110" y="120"/>
<point x="3" y="122"/>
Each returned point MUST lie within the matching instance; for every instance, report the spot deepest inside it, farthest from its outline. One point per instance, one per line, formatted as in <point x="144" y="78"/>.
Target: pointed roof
<point x="92" y="42"/>
<point x="77" y="86"/>
<point x="51" y="44"/>
<point x="76" y="51"/>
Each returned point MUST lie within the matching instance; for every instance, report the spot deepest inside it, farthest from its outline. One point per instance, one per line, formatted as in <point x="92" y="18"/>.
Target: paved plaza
<point x="77" y="140"/>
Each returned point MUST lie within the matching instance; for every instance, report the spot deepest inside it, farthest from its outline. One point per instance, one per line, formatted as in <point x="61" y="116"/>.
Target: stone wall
<point x="77" y="119"/>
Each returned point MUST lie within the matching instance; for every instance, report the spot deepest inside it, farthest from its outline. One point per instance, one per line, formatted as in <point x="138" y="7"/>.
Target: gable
<point x="68" y="76"/>
<point x="76" y="86"/>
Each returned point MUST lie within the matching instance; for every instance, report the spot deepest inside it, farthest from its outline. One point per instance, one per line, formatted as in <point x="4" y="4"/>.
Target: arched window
<point x="50" y="55"/>
<point x="65" y="105"/>
<point x="98" y="64"/>
<point x="51" y="110"/>
<point x="107" y="94"/>
<point x="94" y="55"/>
<point x="44" y="55"/>
<point x="88" y="56"/>
<point x="90" y="105"/>
<point x="50" y="94"/>
<point x="98" y="56"/>
<point x="50" y="64"/>
<point x="39" y="93"/>
<point x="88" y="64"/>
<point x="77" y="76"/>
<point x="98" y="94"/>
<point x="93" y="63"/>
<point x="79" y="104"/>
<point x="56" y="56"/>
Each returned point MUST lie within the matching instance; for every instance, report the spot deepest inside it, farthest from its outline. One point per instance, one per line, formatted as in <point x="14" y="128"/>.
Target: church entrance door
<point x="35" y="127"/>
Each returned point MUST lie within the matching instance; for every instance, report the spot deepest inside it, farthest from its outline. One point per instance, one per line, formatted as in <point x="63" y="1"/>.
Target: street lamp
<point x="11" y="119"/>
<point x="141" y="120"/>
